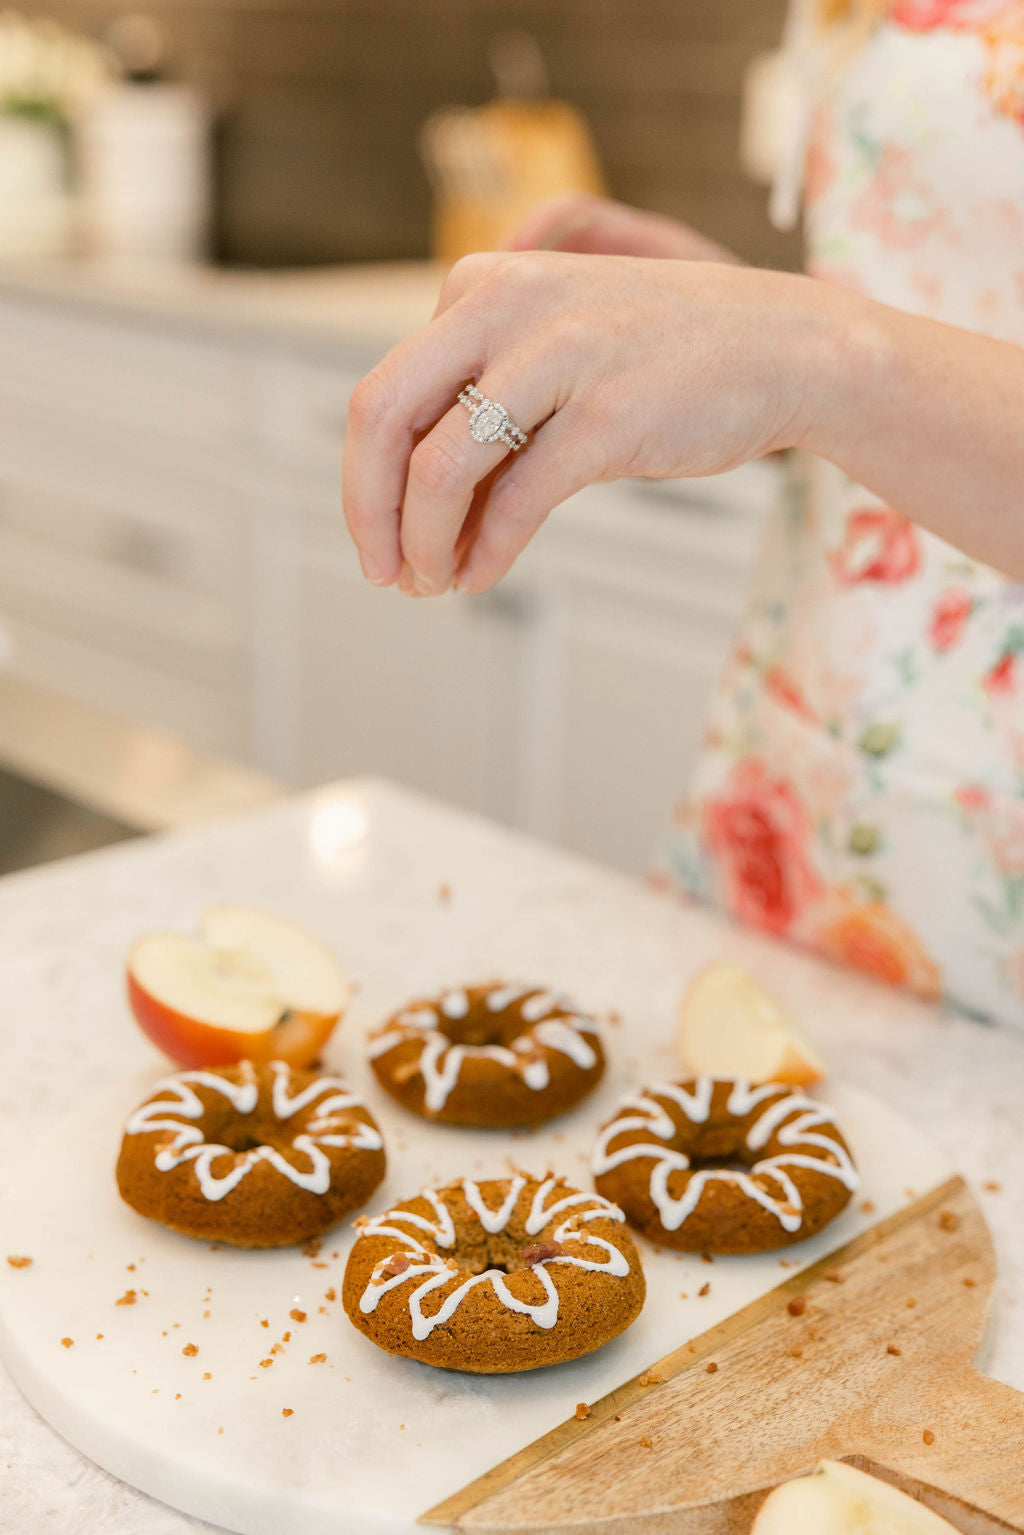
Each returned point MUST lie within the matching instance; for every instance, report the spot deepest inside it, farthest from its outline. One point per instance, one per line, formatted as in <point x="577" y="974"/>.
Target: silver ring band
<point x="489" y="421"/>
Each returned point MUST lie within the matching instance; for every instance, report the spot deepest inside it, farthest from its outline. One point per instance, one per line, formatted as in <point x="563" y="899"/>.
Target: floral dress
<point x="861" y="787"/>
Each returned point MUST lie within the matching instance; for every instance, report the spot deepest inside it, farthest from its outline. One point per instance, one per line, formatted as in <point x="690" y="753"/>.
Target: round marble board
<point x="369" y="1442"/>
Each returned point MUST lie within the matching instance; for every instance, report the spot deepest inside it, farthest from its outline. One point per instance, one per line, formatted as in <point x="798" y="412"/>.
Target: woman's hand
<point x="597" y="226"/>
<point x="615" y="366"/>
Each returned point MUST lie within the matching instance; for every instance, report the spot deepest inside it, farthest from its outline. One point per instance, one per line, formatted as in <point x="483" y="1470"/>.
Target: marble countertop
<point x="372" y="305"/>
<point x="363" y="864"/>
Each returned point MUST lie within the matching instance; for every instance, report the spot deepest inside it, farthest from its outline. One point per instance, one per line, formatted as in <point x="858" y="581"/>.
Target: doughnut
<point x="719" y="1166"/>
<point x="257" y="1156"/>
<point x="494" y="1277"/>
<point x="488" y="1056"/>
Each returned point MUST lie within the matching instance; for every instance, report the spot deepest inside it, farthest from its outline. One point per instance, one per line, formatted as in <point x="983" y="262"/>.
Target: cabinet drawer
<point x="302" y="410"/>
<point x="99" y="366"/>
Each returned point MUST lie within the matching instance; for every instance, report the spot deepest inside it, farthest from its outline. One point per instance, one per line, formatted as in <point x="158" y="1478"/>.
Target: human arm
<point x="626" y="366"/>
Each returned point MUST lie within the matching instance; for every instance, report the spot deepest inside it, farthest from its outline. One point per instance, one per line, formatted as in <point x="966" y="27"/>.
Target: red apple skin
<point x="190" y="1042"/>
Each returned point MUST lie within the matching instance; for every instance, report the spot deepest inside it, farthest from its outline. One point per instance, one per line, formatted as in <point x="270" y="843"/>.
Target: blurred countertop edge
<point x="371" y="305"/>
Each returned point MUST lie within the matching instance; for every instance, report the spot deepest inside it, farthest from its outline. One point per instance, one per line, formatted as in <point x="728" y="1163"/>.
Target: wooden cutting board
<point x="865" y="1355"/>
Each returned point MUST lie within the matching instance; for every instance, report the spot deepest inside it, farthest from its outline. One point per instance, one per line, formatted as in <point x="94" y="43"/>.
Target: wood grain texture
<point x="865" y="1355"/>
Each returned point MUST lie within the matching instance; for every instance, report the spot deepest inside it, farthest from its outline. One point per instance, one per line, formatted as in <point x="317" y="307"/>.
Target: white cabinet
<point x="172" y="547"/>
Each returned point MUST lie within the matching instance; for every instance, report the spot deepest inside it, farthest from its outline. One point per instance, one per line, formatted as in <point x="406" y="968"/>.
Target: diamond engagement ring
<point x="489" y="421"/>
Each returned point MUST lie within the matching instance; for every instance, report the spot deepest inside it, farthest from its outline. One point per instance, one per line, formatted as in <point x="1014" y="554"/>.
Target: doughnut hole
<point x="482" y="1027"/>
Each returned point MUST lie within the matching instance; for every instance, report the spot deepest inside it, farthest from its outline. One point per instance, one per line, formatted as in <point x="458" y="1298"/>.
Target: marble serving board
<point x="368" y="1442"/>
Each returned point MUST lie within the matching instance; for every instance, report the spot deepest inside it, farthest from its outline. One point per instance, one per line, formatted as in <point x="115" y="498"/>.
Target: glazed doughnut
<point x="719" y="1166"/>
<point x="255" y="1156"/>
<point x="493" y="1277"/>
<point x="488" y="1056"/>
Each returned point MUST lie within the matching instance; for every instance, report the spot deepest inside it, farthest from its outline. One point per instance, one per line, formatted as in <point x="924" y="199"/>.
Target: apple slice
<point x="730" y="1027"/>
<point x="250" y="984"/>
<point x="837" y="1499"/>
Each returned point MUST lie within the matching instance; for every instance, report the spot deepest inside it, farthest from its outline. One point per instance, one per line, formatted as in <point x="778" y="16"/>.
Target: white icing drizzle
<point x="441" y="1061"/>
<point x="433" y="1271"/>
<point x="188" y="1144"/>
<point x="787" y="1205"/>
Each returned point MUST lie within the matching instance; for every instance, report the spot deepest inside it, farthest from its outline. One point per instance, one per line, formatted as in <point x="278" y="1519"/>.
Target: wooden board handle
<point x="972" y="1471"/>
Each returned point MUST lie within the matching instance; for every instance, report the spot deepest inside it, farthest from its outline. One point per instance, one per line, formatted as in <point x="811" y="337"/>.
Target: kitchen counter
<point x="337" y="860"/>
<point x="373" y="305"/>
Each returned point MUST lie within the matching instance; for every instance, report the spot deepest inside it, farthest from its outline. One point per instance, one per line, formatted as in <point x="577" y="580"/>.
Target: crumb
<point x="646" y="1444"/>
<point x="868" y="1206"/>
<point x="286" y="1412"/>
<point x="970" y="1283"/>
<point x="319" y="1265"/>
<point x="175" y="1324"/>
<point x="276" y="1348"/>
<point x="190" y="1350"/>
<point x="444" y="893"/>
<point x="220" y="1431"/>
<point x="130" y="1267"/>
<point x="893" y="1348"/>
<point x="683" y="1295"/>
<point x="67" y="1342"/>
<point x="19" y="1263"/>
<point x="155" y="1391"/>
<point x="835" y="1276"/>
<point x="797" y="1306"/>
<point x="706" y="1258"/>
<point x="323" y="1311"/>
<point x="206" y="1316"/>
<point x="787" y="1263"/>
<point x="143" y="1292"/>
<point x="948" y="1221"/>
<point x="164" y="1333"/>
<point x="911" y="1302"/>
<point x="617" y="1418"/>
<point x="98" y="1336"/>
<point x="127" y="1299"/>
<point x="928" y="1436"/>
<point x="297" y="1315"/>
<point x="796" y="1351"/>
<point x="705" y="1289"/>
<point x="814" y="1334"/>
<point x="318" y="1358"/>
<point x="312" y="1248"/>
<point x="286" y="1337"/>
<point x="330" y="1295"/>
<point x="265" y="1364"/>
<point x="401" y="1425"/>
<point x="207" y="1375"/>
<point x="397" y="1264"/>
<point x="177" y="1396"/>
<point x="614" y="1018"/>
<point x="711" y="1367"/>
<point x="991" y="1186"/>
<point x="264" y="1322"/>
<point x="910" y="1193"/>
<point x="652" y="1378"/>
<point x="582" y="1410"/>
<point x="335" y="1254"/>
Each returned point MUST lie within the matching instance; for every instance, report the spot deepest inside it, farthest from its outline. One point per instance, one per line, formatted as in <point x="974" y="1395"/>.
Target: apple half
<point x="249" y="984"/>
<point x="837" y="1499"/>
<point x="729" y="1026"/>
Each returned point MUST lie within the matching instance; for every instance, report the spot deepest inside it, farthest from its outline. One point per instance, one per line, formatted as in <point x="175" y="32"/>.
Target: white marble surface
<point x="362" y="865"/>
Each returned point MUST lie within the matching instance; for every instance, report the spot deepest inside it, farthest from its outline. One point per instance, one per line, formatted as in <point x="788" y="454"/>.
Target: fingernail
<point x="424" y="588"/>
<point x="373" y="570"/>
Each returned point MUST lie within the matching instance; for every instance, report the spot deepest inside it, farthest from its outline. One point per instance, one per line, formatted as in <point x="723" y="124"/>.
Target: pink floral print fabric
<point x="861" y="788"/>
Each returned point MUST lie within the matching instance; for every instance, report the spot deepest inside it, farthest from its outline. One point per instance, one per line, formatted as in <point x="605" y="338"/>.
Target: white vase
<point x="144" y="155"/>
<point x="35" y="200"/>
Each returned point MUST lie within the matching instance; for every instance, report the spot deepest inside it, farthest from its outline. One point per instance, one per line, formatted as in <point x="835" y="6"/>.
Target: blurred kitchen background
<point x="214" y="217"/>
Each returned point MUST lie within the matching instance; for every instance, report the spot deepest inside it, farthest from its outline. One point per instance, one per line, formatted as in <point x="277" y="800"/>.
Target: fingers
<point x="401" y="398"/>
<point x="446" y="468"/>
<point x="551" y="224"/>
<point x="465" y="274"/>
<point x="558" y="462"/>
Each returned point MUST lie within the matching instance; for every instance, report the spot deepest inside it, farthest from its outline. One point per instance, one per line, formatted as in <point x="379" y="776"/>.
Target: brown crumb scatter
<point x="276" y="1348"/>
<point x="582" y="1410"/>
<point x="297" y="1315"/>
<point x="265" y="1364"/>
<point x="311" y="1249"/>
<point x="706" y="1258"/>
<point x="98" y="1336"/>
<point x="177" y="1396"/>
<point x="911" y="1302"/>
<point x="646" y="1444"/>
<point x="206" y="1316"/>
<point x="541" y="1252"/>
<point x="17" y="1262"/>
<point x="323" y="1311"/>
<point x="893" y="1348"/>
<point x="318" y="1265"/>
<point x="948" y="1220"/>
<point x="220" y="1431"/>
<point x="614" y="1018"/>
<point x="330" y="1294"/>
<point x="444" y="893"/>
<point x="683" y="1295"/>
<point x="835" y="1276"/>
<point x="868" y="1206"/>
<point x="796" y="1351"/>
<point x="130" y="1267"/>
<point x="396" y="1264"/>
<point x="928" y="1436"/>
<point x="286" y="1412"/>
<point x="190" y="1350"/>
<point x="207" y="1375"/>
<point x="286" y="1337"/>
<point x="711" y="1367"/>
<point x="617" y="1418"/>
<point x="318" y="1358"/>
<point x="991" y="1186"/>
<point x="67" y="1342"/>
<point x="264" y="1322"/>
<point x="797" y="1306"/>
<point x="705" y="1289"/>
<point x="127" y="1299"/>
<point x="970" y="1283"/>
